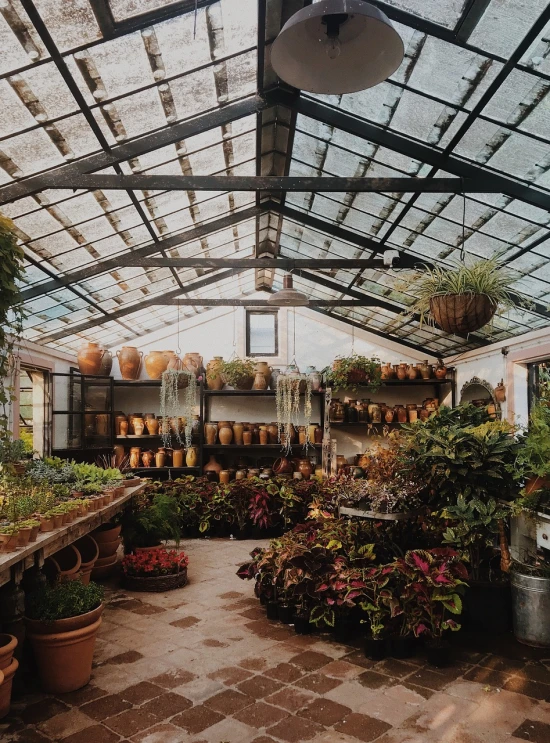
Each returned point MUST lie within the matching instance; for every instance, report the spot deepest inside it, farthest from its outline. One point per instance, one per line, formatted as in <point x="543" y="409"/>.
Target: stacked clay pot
<point x="89" y="553"/>
<point x="108" y="541"/>
<point x="64" y="565"/>
<point x="8" y="667"/>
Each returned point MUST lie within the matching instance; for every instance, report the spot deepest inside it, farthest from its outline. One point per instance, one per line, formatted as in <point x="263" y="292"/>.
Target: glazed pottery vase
<point x="118" y="421"/>
<point x="193" y="363"/>
<point x="139" y="426"/>
<point x="264" y="436"/>
<point x="402" y="371"/>
<point x="224" y="476"/>
<point x="177" y="457"/>
<point x="426" y="370"/>
<point x="64" y="650"/>
<point x="386" y="371"/>
<point x="500" y="392"/>
<point x="192" y="456"/>
<point x="318" y="437"/>
<point x="440" y="371"/>
<point x="282" y="466"/>
<point x="273" y="433"/>
<point x="152" y="426"/>
<point x="260" y="382"/>
<point x="225" y="434"/>
<point x="210" y="433"/>
<point x="238" y="430"/>
<point x="214" y="379"/>
<point x="160" y="458"/>
<point x="375" y="413"/>
<point x="341" y="462"/>
<point x="247" y="438"/>
<point x="135" y="456"/>
<point x="129" y="360"/>
<point x="412" y="372"/>
<point x="263" y="368"/>
<point x="305" y="468"/>
<point x="124" y="428"/>
<point x="212" y="466"/>
<point x="147" y="458"/>
<point x="106" y="364"/>
<point x="389" y="415"/>
<point x="401" y="413"/>
<point x="89" y="358"/>
<point x="337" y="411"/>
<point x="413" y="415"/>
<point x="155" y="364"/>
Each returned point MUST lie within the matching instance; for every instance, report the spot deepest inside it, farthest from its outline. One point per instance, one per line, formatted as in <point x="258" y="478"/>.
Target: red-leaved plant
<point x="155" y="562"/>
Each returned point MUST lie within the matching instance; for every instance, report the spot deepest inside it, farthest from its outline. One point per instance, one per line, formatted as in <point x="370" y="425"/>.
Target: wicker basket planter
<point x="462" y="313"/>
<point x="155" y="583"/>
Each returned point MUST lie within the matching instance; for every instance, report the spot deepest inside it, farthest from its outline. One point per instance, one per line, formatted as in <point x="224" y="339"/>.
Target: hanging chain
<point x="178" y="349"/>
<point x="352" y="337"/>
<point x="195" y="19"/>
<point x="462" y="249"/>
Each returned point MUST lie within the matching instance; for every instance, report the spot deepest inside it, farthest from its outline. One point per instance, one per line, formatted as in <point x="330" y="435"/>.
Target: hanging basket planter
<point x="155" y="583"/>
<point x="462" y="313"/>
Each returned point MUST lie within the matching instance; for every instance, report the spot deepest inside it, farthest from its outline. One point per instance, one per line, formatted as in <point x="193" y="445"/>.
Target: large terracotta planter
<point x="129" y="360"/>
<point x="8" y="643"/>
<point x="461" y="314"/>
<point x="6" y="680"/>
<point x="104" y="567"/>
<point x="89" y="358"/>
<point x="156" y="362"/>
<point x="108" y="549"/>
<point x="64" y="650"/>
<point x="89" y="552"/>
<point x="214" y="379"/>
<point x="65" y="564"/>
<point x="106" y="533"/>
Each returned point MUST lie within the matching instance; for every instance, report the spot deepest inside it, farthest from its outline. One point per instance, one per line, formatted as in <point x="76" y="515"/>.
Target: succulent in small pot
<point x="33" y="525"/>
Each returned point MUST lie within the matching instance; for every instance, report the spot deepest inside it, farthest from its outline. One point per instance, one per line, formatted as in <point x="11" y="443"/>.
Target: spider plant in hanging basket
<point x="463" y="298"/>
<point x="238" y="373"/>
<point x="352" y="372"/>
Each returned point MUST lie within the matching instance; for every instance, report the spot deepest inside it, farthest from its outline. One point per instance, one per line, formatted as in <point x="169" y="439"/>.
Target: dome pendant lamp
<point x="288" y="296"/>
<point x="337" y="46"/>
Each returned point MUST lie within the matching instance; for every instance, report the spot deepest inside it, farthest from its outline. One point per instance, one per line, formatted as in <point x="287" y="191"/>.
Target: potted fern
<point x="352" y="372"/>
<point x="238" y="373"/>
<point x="463" y="298"/>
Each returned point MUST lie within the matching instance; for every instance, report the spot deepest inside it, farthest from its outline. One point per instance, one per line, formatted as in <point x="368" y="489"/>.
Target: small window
<point x="262" y="334"/>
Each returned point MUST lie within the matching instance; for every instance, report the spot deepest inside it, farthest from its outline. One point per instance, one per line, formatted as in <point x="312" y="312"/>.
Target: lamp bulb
<point x="333" y="48"/>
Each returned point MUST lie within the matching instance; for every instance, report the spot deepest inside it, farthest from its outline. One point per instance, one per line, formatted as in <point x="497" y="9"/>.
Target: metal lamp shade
<point x="288" y="296"/>
<point x="370" y="49"/>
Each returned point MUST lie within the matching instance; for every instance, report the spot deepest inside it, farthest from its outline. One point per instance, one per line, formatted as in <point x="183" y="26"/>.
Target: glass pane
<point x="262" y="338"/>
<point x="97" y="394"/>
<point x="67" y="392"/>
<point x="126" y="8"/>
<point x="66" y="432"/>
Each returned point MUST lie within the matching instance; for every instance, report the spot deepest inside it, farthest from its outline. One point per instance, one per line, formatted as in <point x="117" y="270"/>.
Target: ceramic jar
<point x="389" y="415"/>
<point x="401" y="412"/>
<point x="123" y="428"/>
<point x="214" y="379"/>
<point x="177" y="457"/>
<point x="193" y="363"/>
<point x="172" y="360"/>
<point x="351" y="412"/>
<point x="129" y="361"/>
<point x="375" y="413"/>
<point x="386" y="371"/>
<point x="426" y="370"/>
<point x="160" y="458"/>
<point x="412" y="372"/>
<point x="152" y="425"/>
<point x="192" y="456"/>
<point x="89" y="357"/>
<point x="424" y="414"/>
<point x="264" y="436"/>
<point x="106" y="364"/>
<point x="212" y="466"/>
<point x="225" y="477"/>
<point x="240" y="474"/>
<point x="139" y="426"/>
<point x="341" y="462"/>
<point x="318" y="435"/>
<point x="316" y="378"/>
<point x="155" y="363"/>
<point x="301" y="435"/>
<point x="118" y="421"/>
<point x="273" y="433"/>
<point x="402" y="371"/>
<point x="247" y="438"/>
<point x="440" y="370"/>
<point x="305" y="467"/>
<point x="275" y="374"/>
<point x="253" y="472"/>
<point x="147" y="458"/>
<point x="282" y="466"/>
<point x="413" y="414"/>
<point x="263" y="368"/>
<point x="210" y="433"/>
<point x="225" y="435"/>
<point x="337" y="411"/>
<point x="260" y="382"/>
<point x="135" y="456"/>
<point x="238" y="430"/>
<point x="500" y="392"/>
<point x="363" y="411"/>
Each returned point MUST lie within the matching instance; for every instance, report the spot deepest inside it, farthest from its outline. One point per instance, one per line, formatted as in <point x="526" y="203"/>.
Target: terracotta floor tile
<point x="362" y="727"/>
<point x="341" y="669"/>
<point x="105" y="707"/>
<point x="295" y="729"/>
<point x="43" y="710"/>
<point x="142" y="692"/>
<point x="539" y="672"/>
<point x="185" y="622"/>
<point x="93" y="734"/>
<point x="325" y="712"/>
<point x="200" y="689"/>
<point x="65" y="724"/>
<point x="164" y="732"/>
<point x="229" y="701"/>
<point x="148" y="609"/>
<point x="396" y="668"/>
<point x="374" y="680"/>
<point x="130" y="656"/>
<point x="430" y="679"/>
<point x="498" y="663"/>
<point x="529" y="688"/>
<point x="422" y="690"/>
<point x="227" y="731"/>
<point x="537" y="732"/>
<point x="167" y="705"/>
<point x="318" y="683"/>
<point x="173" y="677"/>
<point x="358" y="658"/>
<point x="87" y="694"/>
<point x="310" y="660"/>
<point x="231" y="675"/>
<point x="131" y="722"/>
<point x="259" y="686"/>
<point x="197" y="719"/>
<point x="290" y="698"/>
<point x="284" y="672"/>
<point x="260" y="715"/>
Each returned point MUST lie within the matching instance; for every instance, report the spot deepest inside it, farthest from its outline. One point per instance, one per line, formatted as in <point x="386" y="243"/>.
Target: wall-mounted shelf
<point x="246" y="393"/>
<point x="258" y="446"/>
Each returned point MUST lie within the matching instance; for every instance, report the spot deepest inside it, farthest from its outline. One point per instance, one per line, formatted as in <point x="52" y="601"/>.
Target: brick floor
<point x="228" y="675"/>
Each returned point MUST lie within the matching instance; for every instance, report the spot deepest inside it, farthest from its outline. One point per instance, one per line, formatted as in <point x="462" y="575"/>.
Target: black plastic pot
<point x="263" y="599"/>
<point x="301" y="624"/>
<point x="403" y="647"/>
<point x="375" y="649"/>
<point x="285" y="613"/>
<point x="344" y="630"/>
<point x="272" y="610"/>
<point x="488" y="607"/>
<point x="438" y="654"/>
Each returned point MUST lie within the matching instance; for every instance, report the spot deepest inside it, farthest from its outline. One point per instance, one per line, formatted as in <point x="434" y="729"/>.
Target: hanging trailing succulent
<point x="289" y="390"/>
<point x="178" y="396"/>
<point x="11" y="312"/>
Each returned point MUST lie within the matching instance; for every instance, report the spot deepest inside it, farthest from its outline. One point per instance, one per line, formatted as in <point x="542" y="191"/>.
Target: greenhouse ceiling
<point x="100" y="94"/>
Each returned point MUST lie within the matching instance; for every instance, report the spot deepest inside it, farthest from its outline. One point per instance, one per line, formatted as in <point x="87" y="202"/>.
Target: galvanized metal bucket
<point x="531" y="607"/>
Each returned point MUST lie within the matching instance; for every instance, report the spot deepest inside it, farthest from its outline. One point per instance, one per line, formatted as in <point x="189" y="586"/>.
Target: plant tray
<point x="361" y="513"/>
<point x="155" y="583"/>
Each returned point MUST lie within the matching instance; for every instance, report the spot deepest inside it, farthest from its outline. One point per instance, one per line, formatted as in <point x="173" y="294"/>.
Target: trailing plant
<point x="353" y="372"/>
<point x="288" y="407"/>
<point x="63" y="600"/>
<point x="11" y="312"/>
<point x="236" y="371"/>
<point x="174" y="405"/>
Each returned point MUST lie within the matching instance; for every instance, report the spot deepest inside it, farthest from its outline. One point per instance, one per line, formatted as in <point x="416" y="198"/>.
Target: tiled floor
<point x="203" y="665"/>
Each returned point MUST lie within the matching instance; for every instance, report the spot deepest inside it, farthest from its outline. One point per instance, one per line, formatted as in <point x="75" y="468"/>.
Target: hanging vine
<point x="289" y="389"/>
<point x="178" y="397"/>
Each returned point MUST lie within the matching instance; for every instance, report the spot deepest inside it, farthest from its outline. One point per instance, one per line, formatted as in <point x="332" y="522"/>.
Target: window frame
<point x="273" y="312"/>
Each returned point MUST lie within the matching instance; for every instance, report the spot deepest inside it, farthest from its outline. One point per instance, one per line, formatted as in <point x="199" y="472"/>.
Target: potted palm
<point x="463" y="298"/>
<point x="62" y="622"/>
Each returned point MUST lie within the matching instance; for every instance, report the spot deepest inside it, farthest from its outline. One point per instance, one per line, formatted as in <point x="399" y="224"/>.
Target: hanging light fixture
<point x="337" y="46"/>
<point x="288" y="296"/>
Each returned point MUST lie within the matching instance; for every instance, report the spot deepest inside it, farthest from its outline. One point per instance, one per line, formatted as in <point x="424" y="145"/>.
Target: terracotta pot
<point x="89" y="553"/>
<point x="402" y="371"/>
<point x="212" y="466"/>
<point x="247" y="438"/>
<point x="238" y="430"/>
<point x="402" y="414"/>
<point x="89" y="357"/>
<point x="440" y="371"/>
<point x="282" y="466"/>
<point x="461" y="314"/>
<point x="106" y="364"/>
<point x="156" y="362"/>
<point x="106" y="533"/>
<point x="129" y="360"/>
<point x="500" y="392"/>
<point x="23" y="536"/>
<point x="64" y="657"/>
<point x="8" y="643"/>
<point x="6" y="680"/>
<point x="225" y="435"/>
<point x="413" y="415"/>
<point x="100" y="572"/>
<point x="341" y="462"/>
<point x="139" y="426"/>
<point x="152" y="426"/>
<point x="425" y="369"/>
<point x="192" y="456"/>
<point x="386" y="371"/>
<point x="263" y="368"/>
<point x="305" y="468"/>
<point x="178" y="457"/>
<point x="214" y="379"/>
<point x="118" y="420"/>
<point x="193" y="363"/>
<point x="260" y="382"/>
<point x="135" y="455"/>
<point x="46" y="524"/>
<point x="210" y="433"/>
<point x="424" y="414"/>
<point x="107" y="550"/>
<point x="225" y="477"/>
<point x="147" y="458"/>
<point x="264" y="436"/>
<point x="273" y="433"/>
<point x="318" y="435"/>
<point x="389" y="415"/>
<point x="65" y="563"/>
<point x="412" y="372"/>
<point x="160" y="458"/>
<point x="36" y="530"/>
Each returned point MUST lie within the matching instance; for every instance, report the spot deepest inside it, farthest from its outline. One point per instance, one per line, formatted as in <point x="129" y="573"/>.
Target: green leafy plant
<point x="64" y="600"/>
<point x="534" y="452"/>
<point x="150" y="522"/>
<point x="11" y="450"/>
<point x="236" y="372"/>
<point x="353" y="372"/>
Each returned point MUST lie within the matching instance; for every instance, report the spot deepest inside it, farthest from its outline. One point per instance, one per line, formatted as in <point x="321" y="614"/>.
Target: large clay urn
<point x="172" y="360"/>
<point x="106" y="364"/>
<point x="264" y="368"/>
<point x="89" y="358"/>
<point x="193" y="363"/>
<point x="282" y="466"/>
<point x="152" y="425"/>
<point x="214" y="378"/>
<point x="212" y="466"/>
<point x="155" y="363"/>
<point x="129" y="359"/>
<point x="225" y="435"/>
<point x="304" y="466"/>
